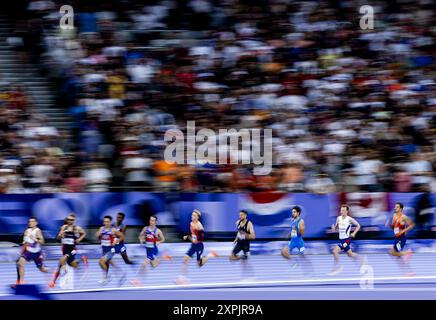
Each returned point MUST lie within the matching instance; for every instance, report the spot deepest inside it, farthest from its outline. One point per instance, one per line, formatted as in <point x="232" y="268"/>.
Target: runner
<point x="197" y="247"/>
<point x="297" y="232"/>
<point x="344" y="223"/>
<point x="70" y="235"/>
<point x="31" y="250"/>
<point x="401" y="224"/>
<point x="120" y="247"/>
<point x="109" y="238"/>
<point x="152" y="236"/>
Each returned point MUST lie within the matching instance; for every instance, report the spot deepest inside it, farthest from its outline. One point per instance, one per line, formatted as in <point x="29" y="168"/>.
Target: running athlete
<point x="109" y="238"/>
<point x="297" y="242"/>
<point x="401" y="224"/>
<point x="297" y="233"/>
<point x="344" y="223"/>
<point x="244" y="235"/>
<point x="120" y="247"/>
<point x="31" y="250"/>
<point x="196" y="237"/>
<point x="152" y="236"/>
<point x="70" y="235"/>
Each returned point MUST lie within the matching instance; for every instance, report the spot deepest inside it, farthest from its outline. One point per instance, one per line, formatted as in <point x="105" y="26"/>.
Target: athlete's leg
<point x="62" y="263"/>
<point x="126" y="257"/>
<point x="336" y="267"/>
<point x="286" y="252"/>
<point x="234" y="255"/>
<point x="20" y="269"/>
<point x="155" y="262"/>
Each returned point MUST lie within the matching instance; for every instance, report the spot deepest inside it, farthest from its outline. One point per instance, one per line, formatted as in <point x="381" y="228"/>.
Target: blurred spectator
<point x="350" y="109"/>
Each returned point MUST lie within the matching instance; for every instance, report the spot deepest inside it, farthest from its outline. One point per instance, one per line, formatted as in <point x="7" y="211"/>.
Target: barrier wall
<point x="270" y="212"/>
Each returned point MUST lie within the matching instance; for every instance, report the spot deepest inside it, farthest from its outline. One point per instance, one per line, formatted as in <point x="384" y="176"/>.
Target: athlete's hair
<point x="297" y="208"/>
<point x="400" y="204"/>
<point x="153" y="216"/>
<point x="107" y="217"/>
<point x="243" y="211"/>
<point x="121" y="214"/>
<point x="197" y="212"/>
<point x="346" y="206"/>
<point x="72" y="215"/>
<point x="33" y="218"/>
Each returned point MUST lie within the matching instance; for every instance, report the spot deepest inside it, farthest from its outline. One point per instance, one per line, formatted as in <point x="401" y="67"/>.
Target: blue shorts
<point x="108" y="252"/>
<point x="152" y="253"/>
<point x="35" y="256"/>
<point x="344" y="244"/>
<point x="297" y="243"/>
<point x="120" y="247"/>
<point x="196" y="248"/>
<point x="399" y="243"/>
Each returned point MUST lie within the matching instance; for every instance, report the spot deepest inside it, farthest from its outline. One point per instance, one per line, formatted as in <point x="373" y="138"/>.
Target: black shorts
<point x="242" y="246"/>
<point x="69" y="251"/>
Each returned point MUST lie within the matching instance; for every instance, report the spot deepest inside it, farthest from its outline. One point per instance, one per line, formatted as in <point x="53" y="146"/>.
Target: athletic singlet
<point x="242" y="230"/>
<point x="344" y="227"/>
<point x="118" y="229"/>
<point x="151" y="237"/>
<point x="197" y="235"/>
<point x="295" y="232"/>
<point x="107" y="237"/>
<point x="70" y="236"/>
<point x="30" y="244"/>
<point x="398" y="226"/>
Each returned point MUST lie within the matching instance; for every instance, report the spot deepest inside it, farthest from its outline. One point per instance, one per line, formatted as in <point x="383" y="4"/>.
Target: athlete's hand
<point x="141" y="241"/>
<point x="185" y="238"/>
<point x="333" y="227"/>
<point x="353" y="235"/>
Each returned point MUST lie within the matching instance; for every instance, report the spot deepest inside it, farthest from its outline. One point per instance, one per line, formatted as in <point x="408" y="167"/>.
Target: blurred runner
<point x="120" y="247"/>
<point x="197" y="247"/>
<point x="152" y="236"/>
<point x="31" y="250"/>
<point x="401" y="224"/>
<point x="344" y="223"/>
<point x="297" y="242"/>
<point x="70" y="235"/>
<point x="242" y="243"/>
<point x="109" y="238"/>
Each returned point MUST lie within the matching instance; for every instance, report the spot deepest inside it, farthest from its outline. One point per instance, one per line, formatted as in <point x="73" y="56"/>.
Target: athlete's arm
<point x="82" y="234"/>
<point x="39" y="237"/>
<point x="410" y="225"/>
<point x="301" y="227"/>
<point x="118" y="234"/>
<point x="236" y="237"/>
<point x="355" y="223"/>
<point x="250" y="229"/>
<point x="160" y="237"/>
<point x="141" y="235"/>
<point x="61" y="232"/>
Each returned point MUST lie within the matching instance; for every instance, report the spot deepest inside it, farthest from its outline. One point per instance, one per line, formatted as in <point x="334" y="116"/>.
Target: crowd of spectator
<point x="351" y="109"/>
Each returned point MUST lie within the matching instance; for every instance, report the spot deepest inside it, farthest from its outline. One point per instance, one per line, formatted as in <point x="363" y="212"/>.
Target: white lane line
<point x="242" y="283"/>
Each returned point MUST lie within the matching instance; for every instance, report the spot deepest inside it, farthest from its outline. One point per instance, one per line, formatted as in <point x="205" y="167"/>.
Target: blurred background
<point x="83" y="111"/>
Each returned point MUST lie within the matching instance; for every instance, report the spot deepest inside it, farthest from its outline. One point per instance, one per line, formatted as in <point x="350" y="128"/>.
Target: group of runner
<point x="111" y="236"/>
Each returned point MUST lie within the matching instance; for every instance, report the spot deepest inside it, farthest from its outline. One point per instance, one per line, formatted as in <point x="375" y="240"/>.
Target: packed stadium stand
<point x="86" y="109"/>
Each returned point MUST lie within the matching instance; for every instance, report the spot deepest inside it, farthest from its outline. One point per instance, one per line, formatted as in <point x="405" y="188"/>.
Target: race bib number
<point x="293" y="233"/>
<point x="194" y="237"/>
<point x="397" y="230"/>
<point x="241" y="236"/>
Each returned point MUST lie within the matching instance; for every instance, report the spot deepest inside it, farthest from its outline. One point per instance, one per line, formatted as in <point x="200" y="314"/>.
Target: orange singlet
<point x="398" y="225"/>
